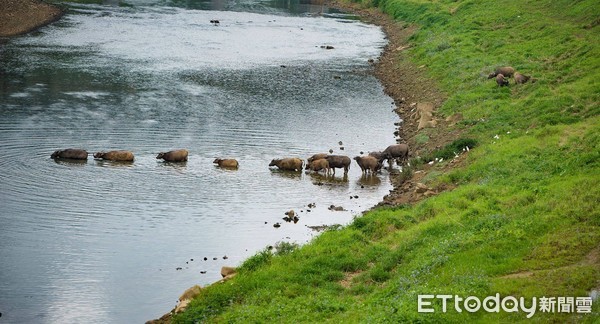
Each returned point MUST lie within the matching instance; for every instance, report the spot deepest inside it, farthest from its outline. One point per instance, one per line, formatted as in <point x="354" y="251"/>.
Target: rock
<point x="402" y="48"/>
<point x="425" y="112"/>
<point x="226" y="271"/>
<point x="336" y="208"/>
<point x="277" y="225"/>
<point x="290" y="216"/>
<point x="187" y="297"/>
<point x="421" y="188"/>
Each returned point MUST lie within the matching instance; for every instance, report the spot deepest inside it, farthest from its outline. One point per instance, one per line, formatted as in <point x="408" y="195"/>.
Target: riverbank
<point x="523" y="206"/>
<point x="407" y="85"/>
<point x="19" y="17"/>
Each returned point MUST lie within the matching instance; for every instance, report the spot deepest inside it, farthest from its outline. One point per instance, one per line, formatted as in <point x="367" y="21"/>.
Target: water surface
<point x="101" y="241"/>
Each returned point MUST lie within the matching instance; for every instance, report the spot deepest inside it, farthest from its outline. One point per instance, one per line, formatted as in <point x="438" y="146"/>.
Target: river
<point x="101" y="242"/>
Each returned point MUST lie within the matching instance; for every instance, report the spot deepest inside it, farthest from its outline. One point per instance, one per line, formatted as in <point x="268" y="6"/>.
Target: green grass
<point x="525" y="203"/>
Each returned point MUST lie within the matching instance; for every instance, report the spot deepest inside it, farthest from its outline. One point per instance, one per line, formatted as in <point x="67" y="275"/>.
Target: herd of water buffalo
<point x="504" y="72"/>
<point x="371" y="163"/>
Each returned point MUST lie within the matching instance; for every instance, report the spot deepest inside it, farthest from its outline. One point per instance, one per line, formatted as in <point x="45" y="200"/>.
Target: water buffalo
<point x="521" y="78"/>
<point x="174" y="156"/>
<point x="501" y="81"/>
<point x="368" y="163"/>
<point x="377" y="154"/>
<point x="121" y="156"/>
<point x="73" y="154"/>
<point x="317" y="156"/>
<point x="507" y="71"/>
<point x="288" y="164"/>
<point x="339" y="161"/>
<point x="227" y="163"/>
<point x="318" y="165"/>
<point x="397" y="151"/>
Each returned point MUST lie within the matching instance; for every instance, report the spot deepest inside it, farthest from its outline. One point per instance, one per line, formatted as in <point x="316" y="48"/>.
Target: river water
<point x="113" y="243"/>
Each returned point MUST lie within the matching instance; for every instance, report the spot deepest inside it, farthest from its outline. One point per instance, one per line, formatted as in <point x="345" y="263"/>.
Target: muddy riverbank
<point x="411" y="89"/>
<point x="22" y="16"/>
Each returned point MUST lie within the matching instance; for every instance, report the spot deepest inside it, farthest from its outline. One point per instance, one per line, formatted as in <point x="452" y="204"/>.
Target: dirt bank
<point x="413" y="94"/>
<point x="22" y="16"/>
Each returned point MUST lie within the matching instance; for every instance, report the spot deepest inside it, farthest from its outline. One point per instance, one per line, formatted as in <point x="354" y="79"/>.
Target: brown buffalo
<point x="501" y="81"/>
<point x="288" y="164"/>
<point x="318" y="165"/>
<point x="521" y="78"/>
<point x="377" y="154"/>
<point x="227" y="163"/>
<point x="397" y="151"/>
<point x="368" y="163"/>
<point x="507" y="71"/>
<point x="317" y="156"/>
<point x="73" y="154"/>
<point x="174" y="156"/>
<point x="339" y="161"/>
<point x="121" y="156"/>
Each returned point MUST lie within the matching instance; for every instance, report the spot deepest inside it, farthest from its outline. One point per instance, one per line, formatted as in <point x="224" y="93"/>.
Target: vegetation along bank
<point x="516" y="214"/>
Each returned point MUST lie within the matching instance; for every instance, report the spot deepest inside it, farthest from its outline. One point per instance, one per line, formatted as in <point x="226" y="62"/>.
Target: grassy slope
<point x="526" y="202"/>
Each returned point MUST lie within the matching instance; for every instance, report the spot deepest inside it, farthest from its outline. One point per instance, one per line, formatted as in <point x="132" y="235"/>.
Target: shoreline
<point x="407" y="85"/>
<point x="20" y="17"/>
<point x="401" y="80"/>
<point x="410" y="88"/>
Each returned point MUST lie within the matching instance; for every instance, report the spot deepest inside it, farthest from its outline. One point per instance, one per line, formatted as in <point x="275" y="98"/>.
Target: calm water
<point x="101" y="242"/>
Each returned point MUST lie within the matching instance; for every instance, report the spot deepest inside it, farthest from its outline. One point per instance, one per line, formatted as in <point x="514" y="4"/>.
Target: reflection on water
<point x="70" y="162"/>
<point x="372" y="180"/>
<point x="101" y="241"/>
<point x="329" y="179"/>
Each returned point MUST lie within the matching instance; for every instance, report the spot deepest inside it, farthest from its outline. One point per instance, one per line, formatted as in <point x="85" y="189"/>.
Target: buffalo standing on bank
<point x="521" y="78"/>
<point x="70" y="154"/>
<point x="506" y="71"/>
<point x="398" y="152"/>
<point x="501" y="80"/>
<point x="174" y="156"/>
